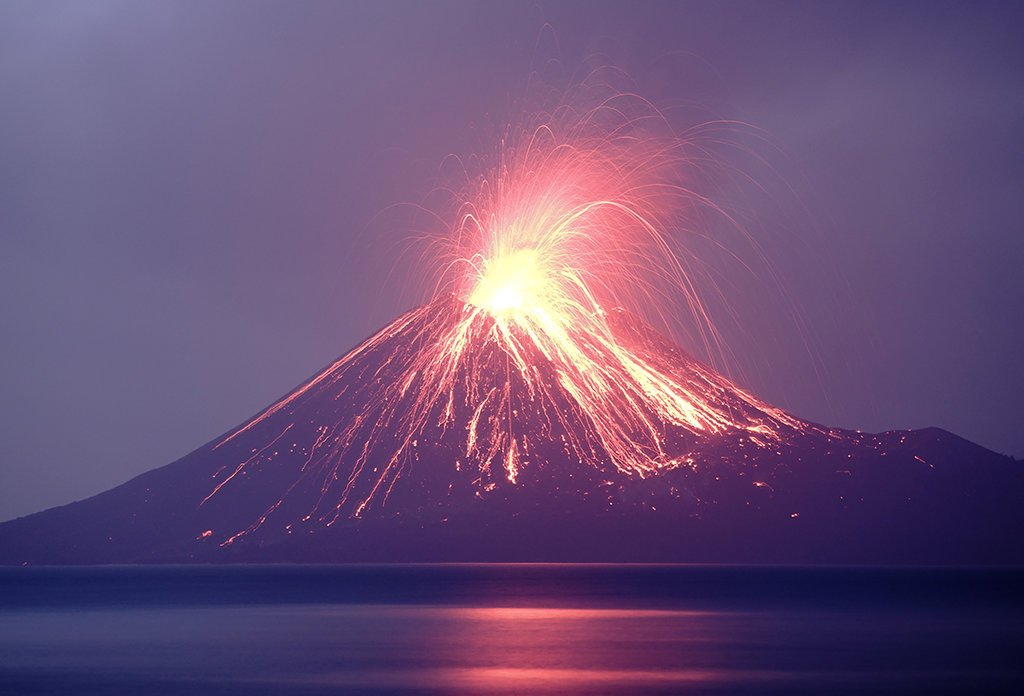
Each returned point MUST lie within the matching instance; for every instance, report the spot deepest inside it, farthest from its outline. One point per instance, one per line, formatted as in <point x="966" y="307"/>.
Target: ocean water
<point x="559" y="629"/>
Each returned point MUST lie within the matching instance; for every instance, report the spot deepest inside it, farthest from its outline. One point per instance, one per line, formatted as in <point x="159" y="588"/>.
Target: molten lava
<point x="513" y="286"/>
<point x="525" y="355"/>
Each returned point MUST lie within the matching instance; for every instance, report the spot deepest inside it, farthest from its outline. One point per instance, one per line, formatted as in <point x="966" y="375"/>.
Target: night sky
<point x="194" y="202"/>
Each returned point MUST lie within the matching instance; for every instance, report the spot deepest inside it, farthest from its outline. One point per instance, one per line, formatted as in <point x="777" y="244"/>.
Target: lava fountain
<point x="559" y="254"/>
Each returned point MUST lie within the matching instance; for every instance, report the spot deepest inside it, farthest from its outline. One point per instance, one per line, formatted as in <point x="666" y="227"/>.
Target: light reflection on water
<point x="470" y="649"/>
<point x="335" y="647"/>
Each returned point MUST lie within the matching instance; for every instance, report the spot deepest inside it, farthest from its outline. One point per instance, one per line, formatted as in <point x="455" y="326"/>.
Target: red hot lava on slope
<point x="533" y="350"/>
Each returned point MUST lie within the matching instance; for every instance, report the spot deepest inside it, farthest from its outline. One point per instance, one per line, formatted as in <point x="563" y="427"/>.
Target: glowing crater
<point x="512" y="284"/>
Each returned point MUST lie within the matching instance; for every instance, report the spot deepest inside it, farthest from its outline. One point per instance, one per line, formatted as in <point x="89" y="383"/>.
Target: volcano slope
<point x="452" y="436"/>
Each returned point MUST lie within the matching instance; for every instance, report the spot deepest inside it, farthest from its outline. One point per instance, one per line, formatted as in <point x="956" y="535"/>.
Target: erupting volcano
<point x="535" y="410"/>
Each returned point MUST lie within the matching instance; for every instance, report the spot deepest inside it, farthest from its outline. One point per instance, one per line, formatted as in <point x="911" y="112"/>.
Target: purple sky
<point x="187" y="193"/>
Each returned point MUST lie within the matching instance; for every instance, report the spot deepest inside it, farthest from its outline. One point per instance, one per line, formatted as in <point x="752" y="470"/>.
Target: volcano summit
<point x="494" y="453"/>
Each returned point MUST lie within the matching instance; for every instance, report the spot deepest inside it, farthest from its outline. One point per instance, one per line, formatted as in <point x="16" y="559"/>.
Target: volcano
<point x="453" y="435"/>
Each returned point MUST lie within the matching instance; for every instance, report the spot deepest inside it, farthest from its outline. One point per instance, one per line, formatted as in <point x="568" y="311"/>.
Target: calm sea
<point x="560" y="629"/>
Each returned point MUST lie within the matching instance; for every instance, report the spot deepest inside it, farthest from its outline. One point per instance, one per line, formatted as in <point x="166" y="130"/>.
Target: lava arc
<point x="580" y="217"/>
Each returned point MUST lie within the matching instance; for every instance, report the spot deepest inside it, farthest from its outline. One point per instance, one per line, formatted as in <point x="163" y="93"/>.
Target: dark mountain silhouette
<point x="494" y="456"/>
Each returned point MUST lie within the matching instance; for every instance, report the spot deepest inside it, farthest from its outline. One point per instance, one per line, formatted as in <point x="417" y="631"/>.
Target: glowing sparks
<point x="524" y="354"/>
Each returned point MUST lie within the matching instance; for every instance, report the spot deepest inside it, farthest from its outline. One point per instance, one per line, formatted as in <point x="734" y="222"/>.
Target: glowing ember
<point x="524" y="354"/>
<point x="513" y="285"/>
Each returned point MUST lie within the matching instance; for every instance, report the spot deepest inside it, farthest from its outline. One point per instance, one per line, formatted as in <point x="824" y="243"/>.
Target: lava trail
<point x="532" y="350"/>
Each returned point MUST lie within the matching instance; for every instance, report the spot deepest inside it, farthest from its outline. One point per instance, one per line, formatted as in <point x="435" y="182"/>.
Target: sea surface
<point x="559" y="629"/>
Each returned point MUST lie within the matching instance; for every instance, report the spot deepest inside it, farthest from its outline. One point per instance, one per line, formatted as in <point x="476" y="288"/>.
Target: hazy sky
<point x="188" y="195"/>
